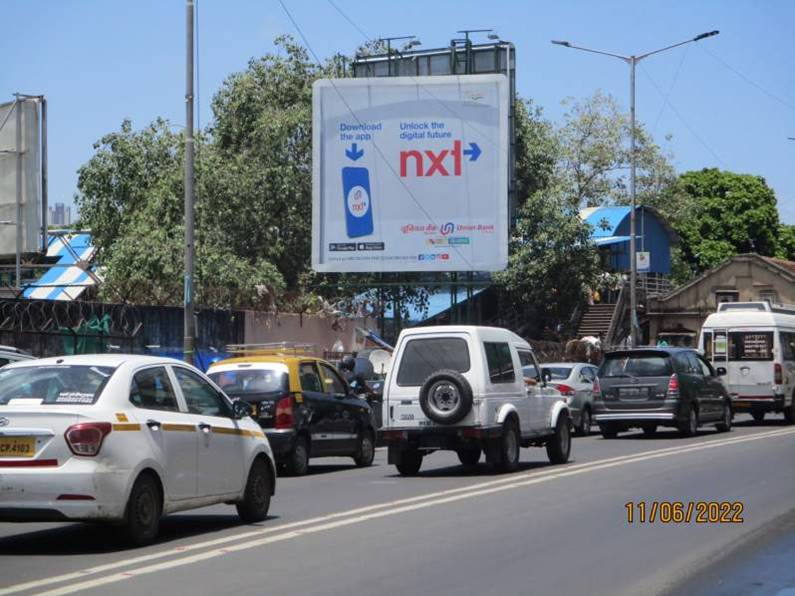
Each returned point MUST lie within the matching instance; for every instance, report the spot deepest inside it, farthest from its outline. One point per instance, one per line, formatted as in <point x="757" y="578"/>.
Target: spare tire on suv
<point x="446" y="397"/>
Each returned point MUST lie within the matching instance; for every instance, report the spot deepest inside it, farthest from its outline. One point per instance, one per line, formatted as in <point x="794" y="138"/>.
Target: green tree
<point x="727" y="214"/>
<point x="786" y="242"/>
<point x="595" y="156"/>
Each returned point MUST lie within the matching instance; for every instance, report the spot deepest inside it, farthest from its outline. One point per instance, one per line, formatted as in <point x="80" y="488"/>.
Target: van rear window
<point x="421" y="357"/>
<point x="636" y="365"/>
<point x="751" y="345"/>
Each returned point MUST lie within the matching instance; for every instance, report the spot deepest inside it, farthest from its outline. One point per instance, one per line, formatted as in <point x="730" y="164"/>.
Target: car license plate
<point x="266" y="409"/>
<point x="633" y="392"/>
<point x="17" y="447"/>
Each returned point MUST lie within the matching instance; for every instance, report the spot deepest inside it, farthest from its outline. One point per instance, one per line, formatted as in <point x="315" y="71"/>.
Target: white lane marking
<point x="482" y="489"/>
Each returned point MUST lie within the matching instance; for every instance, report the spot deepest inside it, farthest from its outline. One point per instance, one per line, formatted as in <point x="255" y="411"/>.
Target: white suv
<point x="462" y="388"/>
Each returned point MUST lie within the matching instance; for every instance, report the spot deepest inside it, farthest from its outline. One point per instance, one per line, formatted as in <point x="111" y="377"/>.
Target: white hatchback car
<point x="125" y="439"/>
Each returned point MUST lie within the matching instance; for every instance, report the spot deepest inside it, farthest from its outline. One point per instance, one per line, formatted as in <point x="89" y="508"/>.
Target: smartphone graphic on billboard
<point x="358" y="203"/>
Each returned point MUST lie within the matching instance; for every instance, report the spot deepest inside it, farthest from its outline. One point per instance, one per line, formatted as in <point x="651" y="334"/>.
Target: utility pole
<point x="190" y="327"/>
<point x="633" y="266"/>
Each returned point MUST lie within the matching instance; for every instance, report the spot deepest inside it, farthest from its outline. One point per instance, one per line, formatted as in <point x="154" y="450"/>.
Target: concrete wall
<point x="319" y="330"/>
<point x="749" y="275"/>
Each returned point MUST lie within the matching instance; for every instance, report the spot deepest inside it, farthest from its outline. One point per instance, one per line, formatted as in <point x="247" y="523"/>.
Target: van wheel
<point x="725" y="425"/>
<point x="143" y="511"/>
<point x="509" y="447"/>
<point x="365" y="452"/>
<point x="298" y="460"/>
<point x="257" y="498"/>
<point x="469" y="457"/>
<point x="409" y="462"/>
<point x="559" y="446"/>
<point x="757" y="416"/>
<point x="608" y="431"/>
<point x="689" y="427"/>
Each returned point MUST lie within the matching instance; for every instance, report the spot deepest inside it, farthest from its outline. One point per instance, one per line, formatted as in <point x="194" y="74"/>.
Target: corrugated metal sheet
<point x="65" y="280"/>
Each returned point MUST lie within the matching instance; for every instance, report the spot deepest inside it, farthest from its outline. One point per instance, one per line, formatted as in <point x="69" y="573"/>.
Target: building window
<point x="726" y="296"/>
<point x="769" y="296"/>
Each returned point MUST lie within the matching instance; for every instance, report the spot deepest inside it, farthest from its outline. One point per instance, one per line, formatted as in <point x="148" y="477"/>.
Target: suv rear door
<point x="635" y="379"/>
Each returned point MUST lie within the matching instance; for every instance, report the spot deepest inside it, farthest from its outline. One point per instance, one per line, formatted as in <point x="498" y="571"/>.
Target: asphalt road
<point x="542" y="530"/>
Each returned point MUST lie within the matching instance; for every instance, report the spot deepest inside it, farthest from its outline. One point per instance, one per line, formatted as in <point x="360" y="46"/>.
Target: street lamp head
<point x="705" y="35"/>
<point x="557" y="42"/>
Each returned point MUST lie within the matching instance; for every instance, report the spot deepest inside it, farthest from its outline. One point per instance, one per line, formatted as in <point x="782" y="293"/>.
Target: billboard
<point x="410" y="174"/>
<point x="26" y="113"/>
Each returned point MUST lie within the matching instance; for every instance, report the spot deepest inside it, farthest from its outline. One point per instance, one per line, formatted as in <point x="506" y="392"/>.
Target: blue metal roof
<point x="65" y="280"/>
<point x="605" y="220"/>
<point x="437" y="303"/>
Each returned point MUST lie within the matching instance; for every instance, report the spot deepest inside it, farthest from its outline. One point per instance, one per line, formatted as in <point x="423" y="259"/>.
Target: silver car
<point x="575" y="382"/>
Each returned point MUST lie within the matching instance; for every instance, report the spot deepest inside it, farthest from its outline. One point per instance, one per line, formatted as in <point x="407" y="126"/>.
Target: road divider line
<point x="364" y="514"/>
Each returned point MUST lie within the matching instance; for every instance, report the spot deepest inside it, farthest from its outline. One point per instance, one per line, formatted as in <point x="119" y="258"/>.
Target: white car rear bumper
<point x="78" y="490"/>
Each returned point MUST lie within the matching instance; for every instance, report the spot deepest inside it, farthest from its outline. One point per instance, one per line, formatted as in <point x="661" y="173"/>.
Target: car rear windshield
<point x="557" y="373"/>
<point x="421" y="357"/>
<point x="54" y="385"/>
<point x="251" y="381"/>
<point x="636" y="365"/>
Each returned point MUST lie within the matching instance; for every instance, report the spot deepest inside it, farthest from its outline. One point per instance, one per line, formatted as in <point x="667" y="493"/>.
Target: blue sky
<point x="100" y="61"/>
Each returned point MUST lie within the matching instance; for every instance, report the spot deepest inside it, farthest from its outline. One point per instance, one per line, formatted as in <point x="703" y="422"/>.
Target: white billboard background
<point x="31" y="177"/>
<point x="410" y="174"/>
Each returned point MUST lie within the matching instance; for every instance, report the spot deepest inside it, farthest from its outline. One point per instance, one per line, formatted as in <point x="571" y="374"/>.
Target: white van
<point x="753" y="343"/>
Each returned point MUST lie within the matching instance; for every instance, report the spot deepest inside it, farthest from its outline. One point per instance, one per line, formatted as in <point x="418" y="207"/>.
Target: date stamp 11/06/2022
<point x="681" y="512"/>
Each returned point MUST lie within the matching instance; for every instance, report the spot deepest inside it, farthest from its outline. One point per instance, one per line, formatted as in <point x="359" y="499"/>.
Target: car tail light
<point x="597" y="389"/>
<point x="778" y="374"/>
<point x="86" y="438"/>
<point x="566" y="390"/>
<point x="673" y="387"/>
<point x="284" y="413"/>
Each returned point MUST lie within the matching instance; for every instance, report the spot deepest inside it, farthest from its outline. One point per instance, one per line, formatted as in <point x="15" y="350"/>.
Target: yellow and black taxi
<point x="302" y="403"/>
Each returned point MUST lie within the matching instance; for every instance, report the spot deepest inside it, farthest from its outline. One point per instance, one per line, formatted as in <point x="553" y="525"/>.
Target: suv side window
<point x="498" y="357"/>
<point x="683" y="364"/>
<point x="587" y="374"/>
<point x="695" y="364"/>
<point x="331" y="381"/>
<point x="309" y="377"/>
<point x="706" y="369"/>
<point x="529" y="367"/>
<point x="151" y="389"/>
<point x="200" y="396"/>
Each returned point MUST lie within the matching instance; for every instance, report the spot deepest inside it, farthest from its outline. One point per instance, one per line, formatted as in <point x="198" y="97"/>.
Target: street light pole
<point x="189" y="324"/>
<point x="633" y="267"/>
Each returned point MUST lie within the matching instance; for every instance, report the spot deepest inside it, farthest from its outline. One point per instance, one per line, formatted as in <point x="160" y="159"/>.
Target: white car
<point x="575" y="382"/>
<point x="125" y="439"/>
<point x="462" y="388"/>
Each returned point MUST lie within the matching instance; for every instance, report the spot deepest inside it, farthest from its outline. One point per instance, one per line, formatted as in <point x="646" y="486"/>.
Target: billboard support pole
<point x="18" y="223"/>
<point x="44" y="204"/>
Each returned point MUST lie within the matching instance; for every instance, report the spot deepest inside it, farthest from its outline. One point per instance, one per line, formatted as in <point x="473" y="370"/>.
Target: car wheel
<point x="789" y="413"/>
<point x="758" y="416"/>
<point x="257" y="497"/>
<point x="559" y="446"/>
<point x="469" y="457"/>
<point x="298" y="459"/>
<point x="409" y="463"/>
<point x="608" y="431"/>
<point x="689" y="427"/>
<point x="446" y="397"/>
<point x="585" y="423"/>
<point x="143" y="511"/>
<point x="509" y="447"/>
<point x="650" y="430"/>
<point x="365" y="452"/>
<point x="725" y="425"/>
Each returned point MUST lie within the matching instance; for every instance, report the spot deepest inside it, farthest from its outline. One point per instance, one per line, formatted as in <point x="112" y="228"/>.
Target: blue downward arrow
<point x="354" y="153"/>
<point x="473" y="152"/>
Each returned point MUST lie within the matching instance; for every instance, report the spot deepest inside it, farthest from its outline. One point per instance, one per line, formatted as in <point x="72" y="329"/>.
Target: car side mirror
<point x="720" y="371"/>
<point x="546" y="376"/>
<point x="241" y="409"/>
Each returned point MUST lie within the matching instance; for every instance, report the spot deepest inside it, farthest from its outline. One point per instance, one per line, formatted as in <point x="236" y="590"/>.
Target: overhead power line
<point x="682" y="118"/>
<point x="750" y="81"/>
<point x="673" y="84"/>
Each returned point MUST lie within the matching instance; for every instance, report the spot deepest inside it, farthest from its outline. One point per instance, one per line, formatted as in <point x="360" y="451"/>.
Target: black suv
<point x="650" y="387"/>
